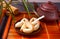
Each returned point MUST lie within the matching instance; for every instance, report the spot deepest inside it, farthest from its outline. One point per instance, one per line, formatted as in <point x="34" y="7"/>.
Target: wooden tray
<point x="49" y="30"/>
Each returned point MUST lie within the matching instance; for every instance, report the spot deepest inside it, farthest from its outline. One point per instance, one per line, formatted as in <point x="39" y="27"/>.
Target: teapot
<point x="49" y="10"/>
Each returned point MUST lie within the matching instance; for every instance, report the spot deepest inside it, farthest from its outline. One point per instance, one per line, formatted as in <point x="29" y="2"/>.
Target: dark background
<point x="19" y="5"/>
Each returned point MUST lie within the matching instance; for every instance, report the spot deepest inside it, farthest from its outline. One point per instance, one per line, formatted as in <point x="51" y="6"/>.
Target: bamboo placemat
<point x="49" y="30"/>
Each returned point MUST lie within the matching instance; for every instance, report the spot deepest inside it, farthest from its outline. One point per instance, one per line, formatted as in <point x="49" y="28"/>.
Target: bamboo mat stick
<point x="59" y="24"/>
<point x="48" y="36"/>
<point x="7" y="28"/>
<point x="3" y="13"/>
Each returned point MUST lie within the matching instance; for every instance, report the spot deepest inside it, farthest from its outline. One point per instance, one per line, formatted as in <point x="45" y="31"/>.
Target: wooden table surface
<point x="48" y="31"/>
